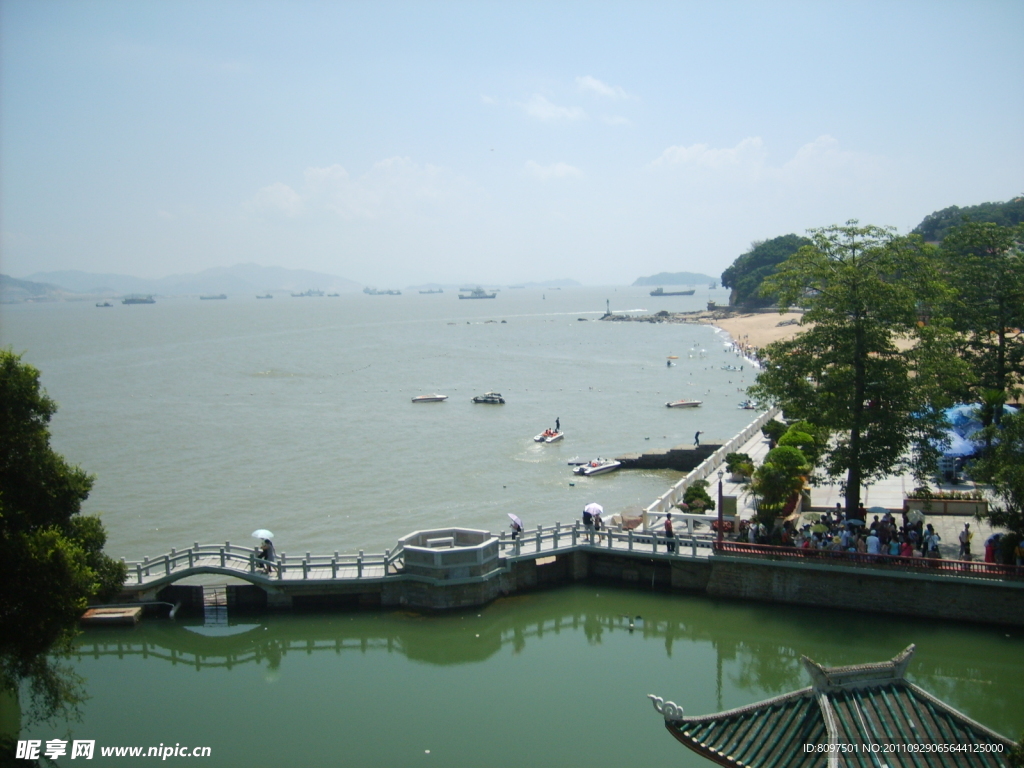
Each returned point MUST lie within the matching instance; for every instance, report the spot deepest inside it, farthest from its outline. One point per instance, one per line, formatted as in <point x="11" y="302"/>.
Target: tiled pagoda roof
<point x="859" y="714"/>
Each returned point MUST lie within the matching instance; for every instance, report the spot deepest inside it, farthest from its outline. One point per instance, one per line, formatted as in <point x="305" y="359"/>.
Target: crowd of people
<point x="881" y="535"/>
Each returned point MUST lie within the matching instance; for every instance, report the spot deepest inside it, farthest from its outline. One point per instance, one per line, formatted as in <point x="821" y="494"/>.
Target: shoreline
<point x="748" y="331"/>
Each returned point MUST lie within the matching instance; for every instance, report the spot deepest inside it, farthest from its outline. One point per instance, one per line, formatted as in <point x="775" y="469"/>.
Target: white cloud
<point x="542" y="109"/>
<point x="485" y="99"/>
<point x="394" y="188"/>
<point x="280" y="198"/>
<point x="553" y="171"/>
<point x="593" y="85"/>
<point x="824" y="158"/>
<point x="748" y="152"/>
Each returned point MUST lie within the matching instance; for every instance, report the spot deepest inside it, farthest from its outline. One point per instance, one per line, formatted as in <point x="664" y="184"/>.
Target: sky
<point x="400" y="143"/>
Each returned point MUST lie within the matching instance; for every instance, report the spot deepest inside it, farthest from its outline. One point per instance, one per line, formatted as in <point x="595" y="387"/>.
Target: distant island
<point x="676" y="278"/>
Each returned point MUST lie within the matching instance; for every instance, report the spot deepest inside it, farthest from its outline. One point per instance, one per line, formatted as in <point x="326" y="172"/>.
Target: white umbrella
<point x="593" y="509"/>
<point x="262" y="533"/>
<point x="516" y="520"/>
<point x="915" y="515"/>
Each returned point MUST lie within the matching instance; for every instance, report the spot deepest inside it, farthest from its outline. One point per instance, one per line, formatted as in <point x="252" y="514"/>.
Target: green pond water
<point x="550" y="678"/>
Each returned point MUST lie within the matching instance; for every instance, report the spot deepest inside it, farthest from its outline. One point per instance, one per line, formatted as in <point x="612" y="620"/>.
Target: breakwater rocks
<point x="702" y="317"/>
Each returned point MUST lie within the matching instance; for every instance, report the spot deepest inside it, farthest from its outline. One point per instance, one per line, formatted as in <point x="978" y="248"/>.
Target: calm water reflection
<point x="553" y="678"/>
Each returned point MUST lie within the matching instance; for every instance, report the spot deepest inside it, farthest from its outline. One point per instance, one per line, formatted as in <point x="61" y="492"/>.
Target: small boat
<point x="731" y="368"/>
<point x="597" y="467"/>
<point x="433" y="290"/>
<point x="212" y="297"/>
<point x="663" y="292"/>
<point x="684" y="404"/>
<point x="268" y="296"/>
<point x="494" y="398"/>
<point x="476" y="293"/>
<point x="746" y="405"/>
<point x="549" y="436"/>
<point x="308" y="294"/>
<point x="435" y="398"/>
<point x="388" y="292"/>
<point x="104" y="304"/>
<point x="333" y="295"/>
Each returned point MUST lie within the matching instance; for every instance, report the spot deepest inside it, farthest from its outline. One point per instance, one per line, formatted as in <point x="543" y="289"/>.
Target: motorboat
<point x="746" y="405"/>
<point x="597" y="467"/>
<point x="268" y="296"/>
<point x="731" y="368"/>
<point x="435" y="398"/>
<point x="104" y="304"/>
<point x="549" y="436"/>
<point x="684" y="404"/>
<point x="494" y="398"/>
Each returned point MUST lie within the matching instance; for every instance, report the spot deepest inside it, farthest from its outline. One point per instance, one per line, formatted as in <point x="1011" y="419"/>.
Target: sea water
<point x="205" y="420"/>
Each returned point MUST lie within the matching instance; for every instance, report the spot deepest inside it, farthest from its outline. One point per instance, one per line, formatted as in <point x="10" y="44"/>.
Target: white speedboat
<point x="684" y="404"/>
<point x="549" y="436"/>
<point x="435" y="398"/>
<point x="597" y="467"/>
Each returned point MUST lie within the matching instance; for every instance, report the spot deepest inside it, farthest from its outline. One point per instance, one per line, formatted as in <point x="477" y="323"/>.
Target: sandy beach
<point x="759" y="329"/>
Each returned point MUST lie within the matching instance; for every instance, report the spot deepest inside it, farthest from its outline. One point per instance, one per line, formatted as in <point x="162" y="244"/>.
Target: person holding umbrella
<point x="265" y="551"/>
<point x="590" y="512"/>
<point x="516" y="525"/>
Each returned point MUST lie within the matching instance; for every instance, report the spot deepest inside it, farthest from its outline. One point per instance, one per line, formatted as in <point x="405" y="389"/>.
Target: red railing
<point x="888" y="562"/>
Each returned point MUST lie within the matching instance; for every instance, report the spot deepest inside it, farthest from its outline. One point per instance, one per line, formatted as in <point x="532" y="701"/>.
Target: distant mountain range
<point x="675" y="278"/>
<point x="239" y="279"/>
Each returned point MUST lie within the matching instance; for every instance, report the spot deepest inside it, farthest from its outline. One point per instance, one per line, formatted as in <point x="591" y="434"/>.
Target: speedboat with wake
<point x="549" y="436"/>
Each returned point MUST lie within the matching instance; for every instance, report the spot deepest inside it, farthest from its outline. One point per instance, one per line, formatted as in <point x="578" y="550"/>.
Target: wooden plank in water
<point x="129" y="616"/>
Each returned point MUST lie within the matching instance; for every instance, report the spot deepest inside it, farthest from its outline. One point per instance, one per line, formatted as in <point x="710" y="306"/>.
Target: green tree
<point x="53" y="556"/>
<point x="985" y="262"/>
<point x="774" y="483"/>
<point x="746" y="274"/>
<point x="1002" y="466"/>
<point x="936" y="225"/>
<point x="868" y="370"/>
<point x="696" y="496"/>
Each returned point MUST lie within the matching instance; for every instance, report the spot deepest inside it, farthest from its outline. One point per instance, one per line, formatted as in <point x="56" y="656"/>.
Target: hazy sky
<point x="395" y="143"/>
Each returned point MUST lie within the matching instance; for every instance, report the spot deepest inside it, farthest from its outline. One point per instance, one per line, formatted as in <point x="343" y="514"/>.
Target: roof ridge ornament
<point x="669" y="709"/>
<point x="859" y="675"/>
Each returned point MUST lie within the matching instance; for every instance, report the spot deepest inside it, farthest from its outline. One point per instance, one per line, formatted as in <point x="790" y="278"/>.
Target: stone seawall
<point x="868" y="591"/>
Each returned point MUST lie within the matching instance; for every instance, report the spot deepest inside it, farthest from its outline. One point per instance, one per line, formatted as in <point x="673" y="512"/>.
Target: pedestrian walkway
<point x="889" y="492"/>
